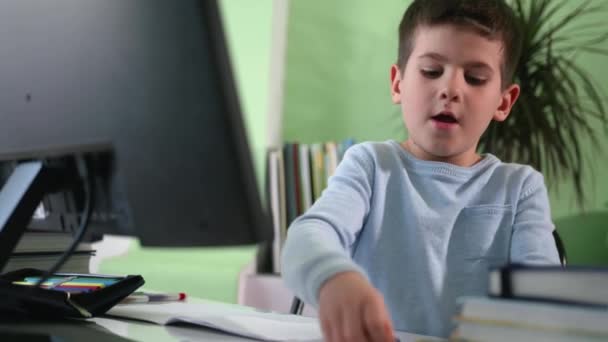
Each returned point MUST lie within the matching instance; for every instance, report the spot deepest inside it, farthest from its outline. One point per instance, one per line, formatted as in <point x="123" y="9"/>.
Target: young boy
<point x="403" y="229"/>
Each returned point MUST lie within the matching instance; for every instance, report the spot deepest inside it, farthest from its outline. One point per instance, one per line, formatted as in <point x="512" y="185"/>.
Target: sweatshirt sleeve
<point x="532" y="241"/>
<point x="319" y="243"/>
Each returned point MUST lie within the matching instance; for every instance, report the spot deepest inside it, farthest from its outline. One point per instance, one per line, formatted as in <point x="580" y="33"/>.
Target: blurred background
<point x="313" y="71"/>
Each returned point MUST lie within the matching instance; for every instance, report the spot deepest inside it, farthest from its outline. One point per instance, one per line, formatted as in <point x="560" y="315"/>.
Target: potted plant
<point x="560" y="103"/>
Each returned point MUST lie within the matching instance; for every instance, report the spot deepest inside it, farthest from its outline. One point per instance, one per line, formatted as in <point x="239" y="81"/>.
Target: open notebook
<point x="231" y="319"/>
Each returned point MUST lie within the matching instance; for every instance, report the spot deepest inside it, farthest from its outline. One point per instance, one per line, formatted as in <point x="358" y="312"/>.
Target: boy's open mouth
<point x="445" y="117"/>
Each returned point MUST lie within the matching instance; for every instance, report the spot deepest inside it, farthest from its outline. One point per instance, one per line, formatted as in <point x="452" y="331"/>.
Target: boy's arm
<point x="319" y="242"/>
<point x="532" y="240"/>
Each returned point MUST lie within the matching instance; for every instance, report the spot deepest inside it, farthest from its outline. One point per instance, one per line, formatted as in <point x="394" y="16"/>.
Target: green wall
<point x="248" y="26"/>
<point x="337" y="80"/>
<point x="337" y="86"/>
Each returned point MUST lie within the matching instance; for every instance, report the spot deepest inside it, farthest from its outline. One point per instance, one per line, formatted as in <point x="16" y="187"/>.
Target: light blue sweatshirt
<point x="423" y="232"/>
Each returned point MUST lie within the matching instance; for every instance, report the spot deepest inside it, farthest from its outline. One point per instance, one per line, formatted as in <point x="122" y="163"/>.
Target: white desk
<point x="110" y="329"/>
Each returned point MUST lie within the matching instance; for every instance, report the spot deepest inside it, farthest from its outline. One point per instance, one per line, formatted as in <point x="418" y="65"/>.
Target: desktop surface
<point x="114" y="329"/>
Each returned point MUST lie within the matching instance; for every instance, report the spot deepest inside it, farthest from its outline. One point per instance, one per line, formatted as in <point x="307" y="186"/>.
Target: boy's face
<point x="449" y="92"/>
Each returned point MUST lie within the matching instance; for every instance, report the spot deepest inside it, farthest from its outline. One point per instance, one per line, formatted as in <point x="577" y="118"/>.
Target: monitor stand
<point x="21" y="195"/>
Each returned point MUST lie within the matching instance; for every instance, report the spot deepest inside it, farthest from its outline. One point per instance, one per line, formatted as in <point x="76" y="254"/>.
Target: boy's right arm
<point x="316" y="262"/>
<point x="319" y="242"/>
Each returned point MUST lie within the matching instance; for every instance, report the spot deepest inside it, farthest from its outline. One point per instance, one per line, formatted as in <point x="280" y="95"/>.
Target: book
<point x="573" y="284"/>
<point x="305" y="177"/>
<point x="479" y="331"/>
<point x="343" y="146"/>
<point x="296" y="180"/>
<point x="331" y="156"/>
<point x="290" y="189"/>
<point x="282" y="196"/>
<point x="532" y="315"/>
<point x="274" y="205"/>
<point x="42" y="249"/>
<point x="77" y="263"/>
<point x="317" y="155"/>
<point x="239" y="321"/>
<point x="47" y="241"/>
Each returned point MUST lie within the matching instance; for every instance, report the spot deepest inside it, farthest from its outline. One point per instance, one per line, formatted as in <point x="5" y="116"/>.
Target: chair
<point x="585" y="237"/>
<point x="297" y="305"/>
<point x="561" y="250"/>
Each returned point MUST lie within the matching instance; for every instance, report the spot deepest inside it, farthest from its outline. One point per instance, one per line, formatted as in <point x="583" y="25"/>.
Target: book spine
<point x="305" y="177"/>
<point x="318" y="169"/>
<point x="296" y="180"/>
<point x="275" y="210"/>
<point x="289" y="183"/>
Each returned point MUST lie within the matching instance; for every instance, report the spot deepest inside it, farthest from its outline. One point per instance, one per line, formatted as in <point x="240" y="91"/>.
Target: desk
<point x="111" y="329"/>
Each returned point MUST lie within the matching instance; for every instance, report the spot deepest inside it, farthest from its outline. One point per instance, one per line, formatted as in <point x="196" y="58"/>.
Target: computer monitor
<point x="144" y="88"/>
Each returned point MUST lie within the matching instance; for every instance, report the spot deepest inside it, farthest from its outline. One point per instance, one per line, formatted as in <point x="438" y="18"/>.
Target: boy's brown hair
<point x="492" y="19"/>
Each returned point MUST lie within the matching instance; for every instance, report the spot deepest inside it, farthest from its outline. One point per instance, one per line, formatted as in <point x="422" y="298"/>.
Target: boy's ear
<point x="395" y="84"/>
<point x="509" y="96"/>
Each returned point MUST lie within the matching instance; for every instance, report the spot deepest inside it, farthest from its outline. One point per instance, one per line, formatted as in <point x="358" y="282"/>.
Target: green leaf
<point x="560" y="103"/>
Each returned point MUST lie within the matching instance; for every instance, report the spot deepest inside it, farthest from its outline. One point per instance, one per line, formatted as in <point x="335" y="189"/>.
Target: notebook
<point x="572" y="284"/>
<point x="235" y="320"/>
<point x="525" y="314"/>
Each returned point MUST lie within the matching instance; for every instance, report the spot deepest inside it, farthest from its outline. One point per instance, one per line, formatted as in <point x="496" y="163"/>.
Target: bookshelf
<point x="296" y="175"/>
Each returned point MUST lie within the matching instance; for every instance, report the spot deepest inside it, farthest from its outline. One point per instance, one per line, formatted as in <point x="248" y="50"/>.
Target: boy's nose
<point x="450" y="94"/>
<point x="450" y="89"/>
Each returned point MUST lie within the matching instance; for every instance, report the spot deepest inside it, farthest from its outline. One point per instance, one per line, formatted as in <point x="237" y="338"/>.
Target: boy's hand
<point x="351" y="309"/>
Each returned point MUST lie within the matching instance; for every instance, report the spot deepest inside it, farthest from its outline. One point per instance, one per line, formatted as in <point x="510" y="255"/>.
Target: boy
<point x="402" y="230"/>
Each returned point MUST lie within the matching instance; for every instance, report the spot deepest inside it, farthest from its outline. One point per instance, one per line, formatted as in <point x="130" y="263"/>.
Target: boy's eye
<point x="430" y="73"/>
<point x="475" y="81"/>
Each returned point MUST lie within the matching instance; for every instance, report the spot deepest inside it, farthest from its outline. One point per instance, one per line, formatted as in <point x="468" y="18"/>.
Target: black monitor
<point x="143" y="90"/>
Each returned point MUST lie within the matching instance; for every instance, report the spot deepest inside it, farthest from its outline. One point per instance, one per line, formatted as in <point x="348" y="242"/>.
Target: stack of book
<point x="41" y="249"/>
<point x="542" y="303"/>
<point x="296" y="175"/>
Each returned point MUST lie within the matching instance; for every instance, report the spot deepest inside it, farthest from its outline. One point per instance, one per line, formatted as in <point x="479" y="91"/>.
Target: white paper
<point x="232" y="319"/>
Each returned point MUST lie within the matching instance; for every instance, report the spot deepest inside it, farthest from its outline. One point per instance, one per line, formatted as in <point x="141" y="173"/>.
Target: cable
<point x="84" y="221"/>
